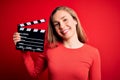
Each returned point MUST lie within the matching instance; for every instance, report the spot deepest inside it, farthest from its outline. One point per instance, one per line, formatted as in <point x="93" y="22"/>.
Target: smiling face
<point x="64" y="24"/>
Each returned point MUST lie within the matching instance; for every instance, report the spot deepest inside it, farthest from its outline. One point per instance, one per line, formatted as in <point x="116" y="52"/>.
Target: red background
<point x="100" y="19"/>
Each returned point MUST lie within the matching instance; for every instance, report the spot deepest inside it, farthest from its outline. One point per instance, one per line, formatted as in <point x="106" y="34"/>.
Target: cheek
<point x="57" y="31"/>
<point x="73" y="26"/>
<point x="72" y="23"/>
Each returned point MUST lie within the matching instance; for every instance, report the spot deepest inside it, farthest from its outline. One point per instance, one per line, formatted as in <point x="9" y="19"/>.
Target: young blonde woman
<point x="68" y="56"/>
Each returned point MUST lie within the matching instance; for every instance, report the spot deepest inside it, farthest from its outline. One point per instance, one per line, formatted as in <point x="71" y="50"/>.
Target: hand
<point x="16" y="37"/>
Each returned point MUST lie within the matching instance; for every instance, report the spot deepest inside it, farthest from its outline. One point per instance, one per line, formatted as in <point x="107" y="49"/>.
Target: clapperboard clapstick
<point x="31" y="39"/>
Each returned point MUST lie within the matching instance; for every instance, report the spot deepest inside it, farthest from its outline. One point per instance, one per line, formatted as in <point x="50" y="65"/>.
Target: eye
<point x="65" y="20"/>
<point x="56" y="24"/>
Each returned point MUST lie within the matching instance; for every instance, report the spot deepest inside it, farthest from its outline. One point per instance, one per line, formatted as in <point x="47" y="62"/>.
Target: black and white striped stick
<point x="31" y="23"/>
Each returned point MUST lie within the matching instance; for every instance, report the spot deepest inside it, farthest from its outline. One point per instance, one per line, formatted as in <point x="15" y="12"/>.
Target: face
<point x="64" y="24"/>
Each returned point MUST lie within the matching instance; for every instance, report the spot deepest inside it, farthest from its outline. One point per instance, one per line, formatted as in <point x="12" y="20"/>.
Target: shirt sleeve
<point x="34" y="67"/>
<point x="95" y="70"/>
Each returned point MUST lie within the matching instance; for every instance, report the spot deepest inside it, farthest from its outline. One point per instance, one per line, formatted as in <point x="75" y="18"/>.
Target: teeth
<point x="64" y="31"/>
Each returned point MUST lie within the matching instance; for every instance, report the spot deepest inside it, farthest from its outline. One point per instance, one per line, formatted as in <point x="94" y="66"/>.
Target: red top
<point x="69" y="64"/>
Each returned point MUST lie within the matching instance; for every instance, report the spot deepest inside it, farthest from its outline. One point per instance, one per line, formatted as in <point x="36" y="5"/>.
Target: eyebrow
<point x="60" y="18"/>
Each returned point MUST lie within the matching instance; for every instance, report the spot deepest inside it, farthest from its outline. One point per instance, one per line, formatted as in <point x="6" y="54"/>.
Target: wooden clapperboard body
<point x="32" y="39"/>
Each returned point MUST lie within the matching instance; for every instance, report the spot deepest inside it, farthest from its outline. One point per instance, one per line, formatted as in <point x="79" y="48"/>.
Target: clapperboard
<point x="32" y="39"/>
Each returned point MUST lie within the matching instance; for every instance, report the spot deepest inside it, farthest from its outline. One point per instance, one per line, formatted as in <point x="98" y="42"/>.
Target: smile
<point x="65" y="31"/>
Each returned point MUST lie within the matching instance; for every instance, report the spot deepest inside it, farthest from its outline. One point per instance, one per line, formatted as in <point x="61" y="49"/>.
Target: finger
<point x="16" y="35"/>
<point x="15" y="41"/>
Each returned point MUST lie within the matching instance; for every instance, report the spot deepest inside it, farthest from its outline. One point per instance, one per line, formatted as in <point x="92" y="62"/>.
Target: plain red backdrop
<point x="99" y="18"/>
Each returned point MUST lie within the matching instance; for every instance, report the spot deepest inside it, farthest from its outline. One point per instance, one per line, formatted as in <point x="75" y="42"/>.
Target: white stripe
<point x="32" y="42"/>
<point x="28" y="47"/>
<point x="28" y="23"/>
<point x="35" y="30"/>
<point x="42" y="20"/>
<point x="28" y="29"/>
<point x="32" y="38"/>
<point x="22" y="25"/>
<point x="42" y="31"/>
<point x="35" y="22"/>
<point x="20" y="47"/>
<point x="38" y="49"/>
<point x="21" y="29"/>
<point x="31" y="45"/>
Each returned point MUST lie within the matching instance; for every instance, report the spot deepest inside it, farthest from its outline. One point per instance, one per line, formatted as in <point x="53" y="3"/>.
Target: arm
<point x="95" y="70"/>
<point x="34" y="68"/>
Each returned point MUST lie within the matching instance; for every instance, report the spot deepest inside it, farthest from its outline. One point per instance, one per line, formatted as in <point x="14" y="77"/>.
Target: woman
<point x="68" y="56"/>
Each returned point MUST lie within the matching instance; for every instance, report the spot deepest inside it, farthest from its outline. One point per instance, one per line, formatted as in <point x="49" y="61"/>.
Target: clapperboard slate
<point x="31" y="39"/>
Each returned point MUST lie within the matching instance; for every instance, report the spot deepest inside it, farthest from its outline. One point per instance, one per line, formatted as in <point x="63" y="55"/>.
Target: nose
<point x="62" y="25"/>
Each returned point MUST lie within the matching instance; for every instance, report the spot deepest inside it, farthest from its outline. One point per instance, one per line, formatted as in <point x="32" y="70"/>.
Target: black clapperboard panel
<point x="31" y="39"/>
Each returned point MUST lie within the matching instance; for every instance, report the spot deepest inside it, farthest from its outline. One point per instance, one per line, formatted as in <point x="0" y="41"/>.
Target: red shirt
<point x="70" y="64"/>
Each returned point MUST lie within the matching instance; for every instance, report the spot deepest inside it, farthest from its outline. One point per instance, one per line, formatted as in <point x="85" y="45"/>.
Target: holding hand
<point x="16" y="37"/>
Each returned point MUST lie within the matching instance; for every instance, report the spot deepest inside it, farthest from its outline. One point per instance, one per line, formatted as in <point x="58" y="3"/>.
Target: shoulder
<point x="91" y="50"/>
<point x="54" y="49"/>
<point x="90" y="47"/>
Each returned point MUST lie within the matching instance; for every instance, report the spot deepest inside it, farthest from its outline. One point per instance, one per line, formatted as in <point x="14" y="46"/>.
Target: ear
<point x="75" y="21"/>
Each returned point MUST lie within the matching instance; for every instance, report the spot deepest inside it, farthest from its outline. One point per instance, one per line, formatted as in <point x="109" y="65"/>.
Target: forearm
<point x="34" y="67"/>
<point x="29" y="63"/>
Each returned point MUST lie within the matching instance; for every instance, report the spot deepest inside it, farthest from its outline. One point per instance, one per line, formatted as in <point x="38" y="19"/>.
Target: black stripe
<point x="39" y="21"/>
<point x="25" y="24"/>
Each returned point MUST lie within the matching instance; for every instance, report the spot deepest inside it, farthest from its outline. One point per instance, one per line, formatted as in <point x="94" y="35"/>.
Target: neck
<point x="72" y="43"/>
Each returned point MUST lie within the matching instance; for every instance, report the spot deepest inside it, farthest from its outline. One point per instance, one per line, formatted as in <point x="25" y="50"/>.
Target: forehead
<point x="60" y="14"/>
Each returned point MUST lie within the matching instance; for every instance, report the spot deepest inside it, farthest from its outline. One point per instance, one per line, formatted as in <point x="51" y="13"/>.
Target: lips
<point x="65" y="31"/>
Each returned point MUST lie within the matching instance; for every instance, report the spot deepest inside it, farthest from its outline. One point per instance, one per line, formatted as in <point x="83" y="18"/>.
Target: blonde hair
<point x="53" y="37"/>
